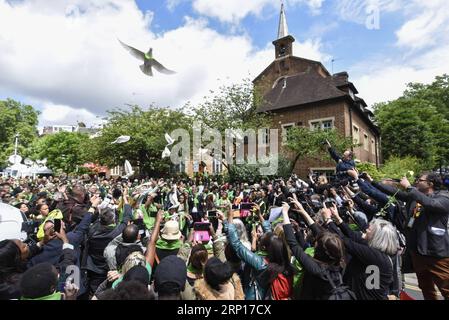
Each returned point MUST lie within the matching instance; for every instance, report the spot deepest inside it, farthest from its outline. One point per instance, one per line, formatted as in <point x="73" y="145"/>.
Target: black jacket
<point x="363" y="256"/>
<point x="98" y="238"/>
<point x="428" y="234"/>
<point x="315" y="285"/>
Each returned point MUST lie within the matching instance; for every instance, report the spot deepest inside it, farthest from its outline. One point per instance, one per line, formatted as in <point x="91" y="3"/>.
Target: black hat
<point x="171" y="269"/>
<point x="217" y="272"/>
<point x="138" y="273"/>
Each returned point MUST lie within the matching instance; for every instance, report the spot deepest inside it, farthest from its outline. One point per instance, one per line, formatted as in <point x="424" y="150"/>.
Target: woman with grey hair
<point x="242" y="233"/>
<point x="370" y="272"/>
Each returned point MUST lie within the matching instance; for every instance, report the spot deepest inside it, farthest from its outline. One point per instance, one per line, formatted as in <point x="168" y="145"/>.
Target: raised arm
<point x="306" y="261"/>
<point x="246" y="255"/>
<point x="432" y="204"/>
<point x="151" y="246"/>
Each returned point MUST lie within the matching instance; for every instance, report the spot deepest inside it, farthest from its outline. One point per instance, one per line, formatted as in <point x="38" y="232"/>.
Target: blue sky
<point x="66" y="61"/>
<point x="346" y="41"/>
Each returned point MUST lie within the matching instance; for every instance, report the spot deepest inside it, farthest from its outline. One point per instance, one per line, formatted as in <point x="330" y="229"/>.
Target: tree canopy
<point x="417" y="124"/>
<point x="147" y="129"/>
<point x="305" y="142"/>
<point x="64" y="151"/>
<point x="16" y="118"/>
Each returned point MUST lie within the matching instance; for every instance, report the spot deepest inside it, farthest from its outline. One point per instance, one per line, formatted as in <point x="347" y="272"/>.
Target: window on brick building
<point x="323" y="124"/>
<point x="285" y="130"/>
<point x="264" y="135"/>
<point x="366" y="142"/>
<point x="217" y="167"/>
<point x="373" y="146"/>
<point x="327" y="125"/>
<point x="356" y="134"/>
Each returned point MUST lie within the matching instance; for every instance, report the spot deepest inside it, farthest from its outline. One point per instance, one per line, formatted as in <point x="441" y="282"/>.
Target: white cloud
<point x="359" y="11"/>
<point x="59" y="114"/>
<point x="383" y="79"/>
<point x="67" y="56"/>
<point x="232" y="11"/>
<point x="429" y="26"/>
<point x="420" y="55"/>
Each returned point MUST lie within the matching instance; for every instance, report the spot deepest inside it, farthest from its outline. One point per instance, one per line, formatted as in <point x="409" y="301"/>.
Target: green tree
<point x="397" y="168"/>
<point x="147" y="130"/>
<point x="417" y="124"/>
<point x="16" y="117"/>
<point x="63" y="150"/>
<point x="251" y="172"/>
<point x="307" y="143"/>
<point x="232" y="107"/>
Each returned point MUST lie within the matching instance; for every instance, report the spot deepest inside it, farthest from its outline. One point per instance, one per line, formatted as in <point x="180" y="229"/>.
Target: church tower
<point x="283" y="46"/>
<point x="284" y="42"/>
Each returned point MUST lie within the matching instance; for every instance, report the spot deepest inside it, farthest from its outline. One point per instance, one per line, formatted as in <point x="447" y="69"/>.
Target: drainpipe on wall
<point x="377" y="152"/>
<point x="350" y="124"/>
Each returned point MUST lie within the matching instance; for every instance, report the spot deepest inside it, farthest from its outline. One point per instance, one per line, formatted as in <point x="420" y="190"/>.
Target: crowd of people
<point x="346" y="238"/>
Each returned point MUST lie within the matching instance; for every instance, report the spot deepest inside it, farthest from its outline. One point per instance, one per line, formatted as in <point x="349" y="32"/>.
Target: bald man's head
<point x="130" y="234"/>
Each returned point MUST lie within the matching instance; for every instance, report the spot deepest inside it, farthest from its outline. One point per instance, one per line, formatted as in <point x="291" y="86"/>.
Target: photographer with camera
<point x="428" y="233"/>
<point x="100" y="234"/>
<point x="344" y="162"/>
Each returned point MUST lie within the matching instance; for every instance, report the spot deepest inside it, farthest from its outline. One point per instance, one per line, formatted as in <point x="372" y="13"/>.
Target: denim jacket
<point x="256" y="263"/>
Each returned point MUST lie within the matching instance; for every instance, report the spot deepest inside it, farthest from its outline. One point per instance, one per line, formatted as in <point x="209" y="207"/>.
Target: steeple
<point x="283" y="28"/>
<point x="284" y="42"/>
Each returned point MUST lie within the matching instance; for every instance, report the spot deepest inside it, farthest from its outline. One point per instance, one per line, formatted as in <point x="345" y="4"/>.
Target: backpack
<point x="340" y="291"/>
<point x="122" y="252"/>
<point x="400" y="219"/>
<point x="279" y="287"/>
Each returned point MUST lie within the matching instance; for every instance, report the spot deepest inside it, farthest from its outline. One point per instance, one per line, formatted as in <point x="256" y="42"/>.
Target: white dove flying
<point x="166" y="153"/>
<point x="169" y="139"/>
<point x="121" y="139"/>
<point x="128" y="169"/>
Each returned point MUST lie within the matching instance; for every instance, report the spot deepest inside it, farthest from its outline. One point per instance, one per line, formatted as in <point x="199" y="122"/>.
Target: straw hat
<point x="171" y="231"/>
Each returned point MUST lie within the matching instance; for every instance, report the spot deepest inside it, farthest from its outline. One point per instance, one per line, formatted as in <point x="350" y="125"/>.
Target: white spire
<point x="283" y="29"/>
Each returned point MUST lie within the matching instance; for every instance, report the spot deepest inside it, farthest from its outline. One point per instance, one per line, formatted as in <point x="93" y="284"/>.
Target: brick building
<point x="302" y="92"/>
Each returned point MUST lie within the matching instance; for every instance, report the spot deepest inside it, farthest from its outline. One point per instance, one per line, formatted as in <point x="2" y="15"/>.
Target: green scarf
<point x="209" y="247"/>
<point x="147" y="219"/>
<point x="54" y="296"/>
<point x="194" y="270"/>
<point x="262" y="253"/>
<point x="168" y="245"/>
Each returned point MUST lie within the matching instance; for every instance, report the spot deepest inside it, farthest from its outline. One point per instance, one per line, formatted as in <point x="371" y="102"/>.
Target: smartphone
<point x="57" y="225"/>
<point x="246" y="206"/>
<point x="329" y="204"/>
<point x="212" y="213"/>
<point x="201" y="226"/>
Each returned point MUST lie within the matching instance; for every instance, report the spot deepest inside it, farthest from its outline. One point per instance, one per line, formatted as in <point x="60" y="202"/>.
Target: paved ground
<point x="411" y="287"/>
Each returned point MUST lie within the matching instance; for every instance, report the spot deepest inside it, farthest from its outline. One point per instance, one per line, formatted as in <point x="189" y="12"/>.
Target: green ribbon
<point x="168" y="245"/>
<point x="54" y="296"/>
